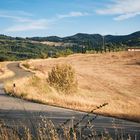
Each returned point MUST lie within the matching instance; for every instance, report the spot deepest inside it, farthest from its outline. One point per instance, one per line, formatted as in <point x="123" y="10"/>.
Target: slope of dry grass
<point x="112" y="77"/>
<point x="4" y="72"/>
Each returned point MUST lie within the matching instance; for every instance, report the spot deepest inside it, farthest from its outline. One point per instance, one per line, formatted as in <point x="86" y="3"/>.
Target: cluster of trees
<point x="88" y="47"/>
<point x="19" y="49"/>
<point x="14" y="49"/>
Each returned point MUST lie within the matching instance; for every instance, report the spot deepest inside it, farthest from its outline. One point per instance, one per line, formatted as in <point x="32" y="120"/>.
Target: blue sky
<point x="67" y="17"/>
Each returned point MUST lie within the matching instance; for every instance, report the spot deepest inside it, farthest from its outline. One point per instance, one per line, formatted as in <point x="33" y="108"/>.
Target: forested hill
<point x="81" y="38"/>
<point x="17" y="48"/>
<point x="130" y="40"/>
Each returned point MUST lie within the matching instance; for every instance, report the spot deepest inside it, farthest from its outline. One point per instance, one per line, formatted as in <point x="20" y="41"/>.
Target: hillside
<point x="17" y="48"/>
<point x="95" y="39"/>
<point x="111" y="78"/>
<point x="130" y="40"/>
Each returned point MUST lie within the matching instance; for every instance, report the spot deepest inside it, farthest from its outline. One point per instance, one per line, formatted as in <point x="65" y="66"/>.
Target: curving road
<point x="19" y="73"/>
<point x="19" y="110"/>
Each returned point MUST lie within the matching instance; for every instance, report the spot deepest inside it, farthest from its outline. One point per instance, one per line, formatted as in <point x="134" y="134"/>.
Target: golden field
<point x="4" y="71"/>
<point x="112" y="78"/>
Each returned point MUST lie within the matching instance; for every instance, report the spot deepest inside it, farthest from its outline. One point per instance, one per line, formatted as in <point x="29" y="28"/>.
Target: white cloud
<point x="14" y="18"/>
<point x="123" y="9"/>
<point x="22" y="22"/>
<point x="126" y="16"/>
<point x="15" y="15"/>
<point x="15" y="12"/>
<point x="32" y="25"/>
<point x="72" y="14"/>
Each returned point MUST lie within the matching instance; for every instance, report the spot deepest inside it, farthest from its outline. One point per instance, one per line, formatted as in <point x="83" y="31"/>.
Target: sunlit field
<point x="111" y="78"/>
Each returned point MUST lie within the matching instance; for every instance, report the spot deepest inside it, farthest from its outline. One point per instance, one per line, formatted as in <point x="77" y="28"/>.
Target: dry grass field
<point x="112" y="78"/>
<point x="4" y="72"/>
<point x="2" y="68"/>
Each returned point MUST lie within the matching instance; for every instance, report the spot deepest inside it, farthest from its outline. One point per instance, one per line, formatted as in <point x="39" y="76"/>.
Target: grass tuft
<point x="26" y="65"/>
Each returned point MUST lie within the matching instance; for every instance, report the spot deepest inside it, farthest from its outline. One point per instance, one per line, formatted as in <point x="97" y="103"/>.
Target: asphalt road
<point x="18" y="110"/>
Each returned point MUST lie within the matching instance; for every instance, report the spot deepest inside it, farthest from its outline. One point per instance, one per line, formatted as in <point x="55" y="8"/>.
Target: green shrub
<point x="62" y="78"/>
<point x="63" y="53"/>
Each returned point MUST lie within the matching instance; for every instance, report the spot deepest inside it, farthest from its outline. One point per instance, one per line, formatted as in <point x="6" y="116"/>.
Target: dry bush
<point x="62" y="78"/>
<point x="26" y="65"/>
<point x="46" y="130"/>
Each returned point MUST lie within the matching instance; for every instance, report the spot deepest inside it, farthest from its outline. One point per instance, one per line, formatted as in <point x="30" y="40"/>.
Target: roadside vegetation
<point x="4" y="71"/>
<point x="69" y="129"/>
<point x="43" y="130"/>
<point x="1" y="69"/>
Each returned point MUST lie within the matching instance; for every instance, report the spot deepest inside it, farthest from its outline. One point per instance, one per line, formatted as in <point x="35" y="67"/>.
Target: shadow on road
<point x="31" y="119"/>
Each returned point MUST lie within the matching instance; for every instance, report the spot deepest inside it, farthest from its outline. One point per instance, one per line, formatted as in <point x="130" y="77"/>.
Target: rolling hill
<point x="17" y="48"/>
<point x="130" y="40"/>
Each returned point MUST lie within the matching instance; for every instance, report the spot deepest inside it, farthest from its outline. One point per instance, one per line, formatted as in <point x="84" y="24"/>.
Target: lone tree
<point x="62" y="78"/>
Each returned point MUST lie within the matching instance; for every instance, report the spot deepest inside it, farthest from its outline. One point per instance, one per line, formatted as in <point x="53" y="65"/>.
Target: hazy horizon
<point x="70" y="35"/>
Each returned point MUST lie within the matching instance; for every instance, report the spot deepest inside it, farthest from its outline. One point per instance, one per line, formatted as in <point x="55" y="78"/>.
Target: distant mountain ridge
<point x="130" y="40"/>
<point x="17" y="48"/>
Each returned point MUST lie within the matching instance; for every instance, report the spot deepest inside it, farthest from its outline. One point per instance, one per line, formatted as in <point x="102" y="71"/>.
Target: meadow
<point x="111" y="78"/>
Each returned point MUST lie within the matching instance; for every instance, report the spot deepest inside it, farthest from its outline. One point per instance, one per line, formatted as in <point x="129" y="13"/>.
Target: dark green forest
<point x="16" y="48"/>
